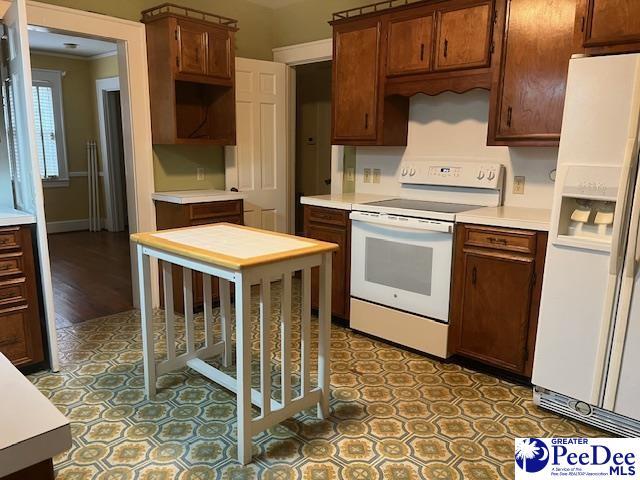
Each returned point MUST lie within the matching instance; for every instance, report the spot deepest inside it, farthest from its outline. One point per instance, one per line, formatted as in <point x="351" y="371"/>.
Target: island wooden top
<point x="232" y="246"/>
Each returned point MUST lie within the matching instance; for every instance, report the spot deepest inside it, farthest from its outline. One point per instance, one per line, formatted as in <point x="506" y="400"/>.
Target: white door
<point x="28" y="184"/>
<point x="258" y="165"/>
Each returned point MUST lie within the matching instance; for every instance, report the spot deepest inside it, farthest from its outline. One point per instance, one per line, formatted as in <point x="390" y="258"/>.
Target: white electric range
<point x="401" y="250"/>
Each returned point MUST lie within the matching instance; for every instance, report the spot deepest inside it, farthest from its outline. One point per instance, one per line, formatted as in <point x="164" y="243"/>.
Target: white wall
<point x="455" y="125"/>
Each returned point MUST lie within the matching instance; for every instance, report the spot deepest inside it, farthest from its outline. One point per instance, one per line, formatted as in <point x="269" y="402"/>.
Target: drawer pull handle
<point x="499" y="241"/>
<point x="422" y="52"/>
<point x="474" y="276"/>
<point x="4" y="241"/>
<point x="509" y="116"/>
<point x="5" y="266"/>
<point x="8" y="341"/>
<point x="446" y="48"/>
<point x="7" y="294"/>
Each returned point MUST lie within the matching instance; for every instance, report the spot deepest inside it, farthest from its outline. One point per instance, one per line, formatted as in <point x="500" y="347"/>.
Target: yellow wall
<point x="70" y="203"/>
<point x="254" y="40"/>
<point x="307" y="21"/>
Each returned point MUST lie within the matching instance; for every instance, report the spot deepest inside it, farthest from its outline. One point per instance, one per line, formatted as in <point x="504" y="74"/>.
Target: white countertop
<point x="11" y="216"/>
<point x="343" y="201"/>
<point x="32" y="428"/>
<point x="510" y="217"/>
<point x="197" y="196"/>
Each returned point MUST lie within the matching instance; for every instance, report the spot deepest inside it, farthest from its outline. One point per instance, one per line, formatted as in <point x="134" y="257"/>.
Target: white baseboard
<point x="71" y="225"/>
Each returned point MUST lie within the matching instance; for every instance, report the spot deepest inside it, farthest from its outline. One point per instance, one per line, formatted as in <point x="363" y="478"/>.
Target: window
<point x="49" y="127"/>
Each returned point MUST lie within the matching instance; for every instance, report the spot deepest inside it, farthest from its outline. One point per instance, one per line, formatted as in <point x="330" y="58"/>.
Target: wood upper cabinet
<point x="496" y="295"/>
<point x="192" y="47"/>
<point x="219" y="53"/>
<point x="409" y="43"/>
<point x="332" y="225"/>
<point x="355" y="80"/>
<point x="191" y="63"/>
<point x="527" y="98"/>
<point x="608" y="26"/>
<point x="463" y="37"/>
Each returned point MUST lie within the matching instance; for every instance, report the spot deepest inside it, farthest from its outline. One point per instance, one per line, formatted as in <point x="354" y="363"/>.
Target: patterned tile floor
<point x="395" y="415"/>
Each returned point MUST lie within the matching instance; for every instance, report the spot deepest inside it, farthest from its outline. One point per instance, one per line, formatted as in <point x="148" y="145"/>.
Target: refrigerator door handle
<point x="615" y="263"/>
<point x="624" y="306"/>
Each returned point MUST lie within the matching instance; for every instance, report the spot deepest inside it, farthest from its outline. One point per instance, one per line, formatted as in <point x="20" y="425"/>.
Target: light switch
<point x="199" y="174"/>
<point x="367" y="175"/>
<point x="376" y="175"/>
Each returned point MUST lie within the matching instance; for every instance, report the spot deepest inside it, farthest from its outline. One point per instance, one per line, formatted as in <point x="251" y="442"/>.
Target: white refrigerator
<point x="587" y="359"/>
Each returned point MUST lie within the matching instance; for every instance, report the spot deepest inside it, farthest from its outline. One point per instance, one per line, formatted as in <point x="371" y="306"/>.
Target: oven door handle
<point x="416" y="224"/>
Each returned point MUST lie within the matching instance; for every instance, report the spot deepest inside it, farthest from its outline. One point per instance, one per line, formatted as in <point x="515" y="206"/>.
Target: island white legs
<point x="291" y="400"/>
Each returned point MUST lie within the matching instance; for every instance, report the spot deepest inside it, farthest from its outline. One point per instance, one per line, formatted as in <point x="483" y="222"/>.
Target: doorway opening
<point x="79" y="140"/>
<point x="313" y="133"/>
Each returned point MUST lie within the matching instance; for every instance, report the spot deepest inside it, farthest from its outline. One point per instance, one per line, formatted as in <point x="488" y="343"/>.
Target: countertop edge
<point x="503" y="222"/>
<point x="168" y="197"/>
<point x="317" y="202"/>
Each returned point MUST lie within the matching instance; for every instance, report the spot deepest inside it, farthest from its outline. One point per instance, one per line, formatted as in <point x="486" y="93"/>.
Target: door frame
<point x="136" y="119"/>
<point x="303" y="54"/>
<point x="111" y="84"/>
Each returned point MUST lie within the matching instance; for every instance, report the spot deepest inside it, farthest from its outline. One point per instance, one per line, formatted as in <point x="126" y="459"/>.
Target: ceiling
<point x="54" y="43"/>
<point x="275" y="3"/>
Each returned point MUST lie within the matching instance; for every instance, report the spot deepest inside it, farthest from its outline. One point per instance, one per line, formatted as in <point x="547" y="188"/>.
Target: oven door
<point x="402" y="262"/>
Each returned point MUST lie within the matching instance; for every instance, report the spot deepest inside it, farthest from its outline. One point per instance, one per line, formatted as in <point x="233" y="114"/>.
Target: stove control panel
<point x="452" y="173"/>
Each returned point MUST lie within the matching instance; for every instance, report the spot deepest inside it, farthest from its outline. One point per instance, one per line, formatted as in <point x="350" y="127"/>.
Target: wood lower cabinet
<point x="607" y="26"/>
<point x="20" y="325"/>
<point x="173" y="215"/>
<point x="332" y="225"/>
<point x="496" y="295"/>
<point x="527" y="98"/>
<point x="463" y="37"/>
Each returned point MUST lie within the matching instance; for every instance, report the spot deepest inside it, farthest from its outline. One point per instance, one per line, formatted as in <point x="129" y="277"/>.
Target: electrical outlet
<point x="199" y="174"/>
<point x="367" y="175"/>
<point x="351" y="174"/>
<point x="518" y="185"/>
<point x="376" y="175"/>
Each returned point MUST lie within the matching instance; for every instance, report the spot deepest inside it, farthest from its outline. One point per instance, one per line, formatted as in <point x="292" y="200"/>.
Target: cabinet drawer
<point x="13" y="334"/>
<point x="237" y="219"/>
<point x="13" y="291"/>
<point x="9" y="238"/>
<point x="512" y="240"/>
<point x="329" y="216"/>
<point x="11" y="264"/>
<point x="215" y="209"/>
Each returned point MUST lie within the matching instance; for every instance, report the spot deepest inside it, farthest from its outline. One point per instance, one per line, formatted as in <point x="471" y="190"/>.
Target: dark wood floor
<point x="91" y="275"/>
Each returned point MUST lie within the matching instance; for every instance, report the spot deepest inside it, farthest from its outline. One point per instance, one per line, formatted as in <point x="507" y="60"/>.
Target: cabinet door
<point x="610" y="22"/>
<point x="463" y="37"/>
<point x="495" y="309"/>
<point x="219" y="49"/>
<point x="339" y="295"/>
<point x="409" y="45"/>
<point x="192" y="48"/>
<point x="530" y="97"/>
<point x="355" y="78"/>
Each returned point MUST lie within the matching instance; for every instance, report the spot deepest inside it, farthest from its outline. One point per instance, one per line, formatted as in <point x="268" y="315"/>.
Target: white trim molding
<point x="64" y="226"/>
<point x="136" y="124"/>
<point x="302" y="53"/>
